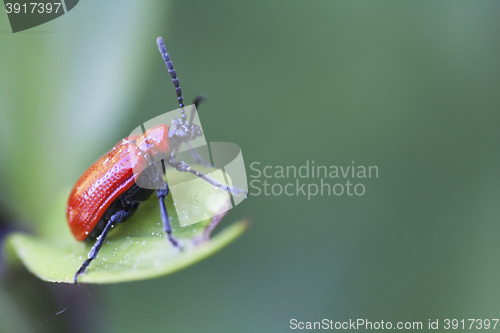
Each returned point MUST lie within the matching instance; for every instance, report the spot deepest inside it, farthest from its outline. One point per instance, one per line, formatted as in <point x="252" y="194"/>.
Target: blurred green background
<point x="411" y="87"/>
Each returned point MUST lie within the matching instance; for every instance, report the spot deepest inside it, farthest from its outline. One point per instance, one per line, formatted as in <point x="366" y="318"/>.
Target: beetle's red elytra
<point x="111" y="176"/>
<point x="108" y="193"/>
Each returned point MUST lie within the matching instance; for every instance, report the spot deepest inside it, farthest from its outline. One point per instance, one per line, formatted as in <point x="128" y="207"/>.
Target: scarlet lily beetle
<point x="108" y="193"/>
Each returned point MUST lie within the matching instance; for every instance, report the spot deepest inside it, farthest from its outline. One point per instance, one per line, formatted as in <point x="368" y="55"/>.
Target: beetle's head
<point x="183" y="130"/>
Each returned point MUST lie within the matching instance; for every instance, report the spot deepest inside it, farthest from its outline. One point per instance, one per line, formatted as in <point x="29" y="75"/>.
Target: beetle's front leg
<point x="116" y="218"/>
<point x="184" y="167"/>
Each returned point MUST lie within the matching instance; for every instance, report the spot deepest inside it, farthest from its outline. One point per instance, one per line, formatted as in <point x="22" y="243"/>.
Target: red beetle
<point x="110" y="191"/>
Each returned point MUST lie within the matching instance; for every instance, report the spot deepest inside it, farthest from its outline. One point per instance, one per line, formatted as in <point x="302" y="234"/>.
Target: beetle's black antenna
<point x="196" y="102"/>
<point x="173" y="75"/>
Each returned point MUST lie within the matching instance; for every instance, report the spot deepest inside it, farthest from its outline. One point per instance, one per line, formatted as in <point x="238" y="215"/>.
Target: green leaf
<point x="134" y="250"/>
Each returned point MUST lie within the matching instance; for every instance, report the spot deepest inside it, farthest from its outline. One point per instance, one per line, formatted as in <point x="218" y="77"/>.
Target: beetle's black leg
<point x="162" y="194"/>
<point x="117" y="217"/>
<point x="163" y="167"/>
<point x="214" y="222"/>
<point x="183" y="167"/>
